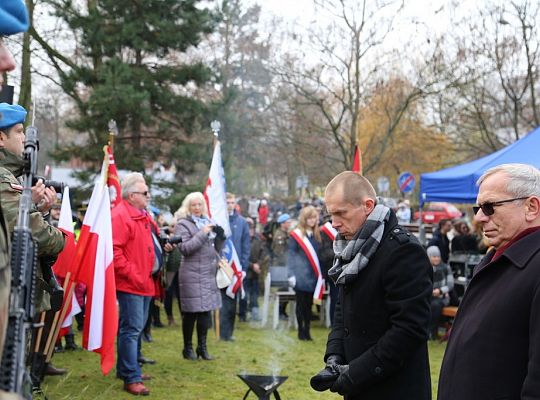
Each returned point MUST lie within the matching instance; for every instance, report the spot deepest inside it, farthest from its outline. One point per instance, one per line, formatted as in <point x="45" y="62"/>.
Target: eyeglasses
<point x="488" y="207"/>
<point x="147" y="193"/>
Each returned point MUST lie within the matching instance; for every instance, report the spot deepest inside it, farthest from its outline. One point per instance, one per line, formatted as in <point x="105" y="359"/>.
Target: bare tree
<point x="353" y="62"/>
<point x="493" y="56"/>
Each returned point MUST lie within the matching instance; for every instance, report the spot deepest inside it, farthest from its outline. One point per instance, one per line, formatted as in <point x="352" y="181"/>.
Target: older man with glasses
<point x="494" y="347"/>
<point x="134" y="258"/>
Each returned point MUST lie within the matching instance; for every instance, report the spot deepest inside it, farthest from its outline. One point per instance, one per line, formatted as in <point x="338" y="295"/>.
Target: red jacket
<point x="133" y="249"/>
<point x="263" y="215"/>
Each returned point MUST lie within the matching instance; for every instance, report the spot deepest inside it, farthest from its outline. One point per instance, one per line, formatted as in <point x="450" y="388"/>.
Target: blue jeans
<point x="252" y="292"/>
<point x="133" y="315"/>
<point x="227" y="315"/>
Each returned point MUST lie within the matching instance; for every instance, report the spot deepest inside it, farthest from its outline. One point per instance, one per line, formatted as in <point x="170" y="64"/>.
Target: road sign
<point x="406" y="182"/>
<point x="383" y="184"/>
<point x="302" y="182"/>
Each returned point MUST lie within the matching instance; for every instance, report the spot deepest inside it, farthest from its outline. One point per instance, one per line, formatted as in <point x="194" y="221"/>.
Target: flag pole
<point x="113" y="131"/>
<point x="215" y="125"/>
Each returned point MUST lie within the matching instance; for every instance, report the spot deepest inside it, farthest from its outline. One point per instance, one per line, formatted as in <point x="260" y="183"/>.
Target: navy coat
<point x="300" y="267"/>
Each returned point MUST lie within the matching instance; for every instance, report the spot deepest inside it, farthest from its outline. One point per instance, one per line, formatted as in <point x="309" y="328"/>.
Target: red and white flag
<point x="63" y="266"/>
<point x="313" y="259"/>
<point x="216" y="201"/>
<point x="64" y="261"/>
<point x="113" y="181"/>
<point x="357" y="162"/>
<point x="95" y="257"/>
<point x="215" y="193"/>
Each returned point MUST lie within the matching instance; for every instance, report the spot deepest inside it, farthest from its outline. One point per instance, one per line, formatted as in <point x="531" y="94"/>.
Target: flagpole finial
<point x="113" y="129"/>
<point x="216" y="126"/>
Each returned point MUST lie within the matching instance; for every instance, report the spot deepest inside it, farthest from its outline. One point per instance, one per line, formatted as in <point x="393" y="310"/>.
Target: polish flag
<point x="65" y="224"/>
<point x="63" y="266"/>
<point x="95" y="257"/>
<point x="357" y="162"/>
<point x="216" y="201"/>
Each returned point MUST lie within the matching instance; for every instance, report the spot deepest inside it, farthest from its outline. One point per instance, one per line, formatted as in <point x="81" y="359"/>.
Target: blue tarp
<point x="458" y="184"/>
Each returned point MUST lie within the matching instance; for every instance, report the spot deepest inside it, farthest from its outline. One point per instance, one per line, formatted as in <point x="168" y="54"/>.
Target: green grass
<point x="256" y="351"/>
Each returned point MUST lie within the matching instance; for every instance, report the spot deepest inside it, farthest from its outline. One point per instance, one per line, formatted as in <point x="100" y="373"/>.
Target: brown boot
<point x="137" y="389"/>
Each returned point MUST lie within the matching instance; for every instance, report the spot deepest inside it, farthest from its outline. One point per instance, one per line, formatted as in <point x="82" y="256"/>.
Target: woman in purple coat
<point x="199" y="293"/>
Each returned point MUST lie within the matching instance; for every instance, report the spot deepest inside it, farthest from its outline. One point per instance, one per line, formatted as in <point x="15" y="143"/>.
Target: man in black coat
<point x="377" y="348"/>
<point x="494" y="348"/>
<point x="440" y="239"/>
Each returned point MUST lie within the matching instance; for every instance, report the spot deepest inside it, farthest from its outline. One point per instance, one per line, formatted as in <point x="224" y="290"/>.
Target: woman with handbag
<point x="199" y="293"/>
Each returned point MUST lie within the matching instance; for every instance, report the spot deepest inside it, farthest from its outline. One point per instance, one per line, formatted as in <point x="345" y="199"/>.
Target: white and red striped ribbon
<point x="329" y="231"/>
<point x="313" y="259"/>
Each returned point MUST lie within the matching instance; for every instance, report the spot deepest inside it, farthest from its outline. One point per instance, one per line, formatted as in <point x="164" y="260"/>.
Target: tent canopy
<point x="458" y="184"/>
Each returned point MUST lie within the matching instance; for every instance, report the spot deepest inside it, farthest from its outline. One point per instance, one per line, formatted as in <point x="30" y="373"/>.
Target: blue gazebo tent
<point x="458" y="184"/>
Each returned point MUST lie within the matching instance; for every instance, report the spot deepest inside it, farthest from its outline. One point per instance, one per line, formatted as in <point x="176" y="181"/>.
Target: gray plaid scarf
<point x="352" y="256"/>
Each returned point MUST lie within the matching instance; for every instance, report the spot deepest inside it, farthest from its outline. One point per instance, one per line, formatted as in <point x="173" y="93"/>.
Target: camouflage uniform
<point x="5" y="279"/>
<point x="279" y="247"/>
<point x="13" y="19"/>
<point x="50" y="240"/>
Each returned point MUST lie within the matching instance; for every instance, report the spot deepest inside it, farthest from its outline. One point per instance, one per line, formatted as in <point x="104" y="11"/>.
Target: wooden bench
<point x="449" y="312"/>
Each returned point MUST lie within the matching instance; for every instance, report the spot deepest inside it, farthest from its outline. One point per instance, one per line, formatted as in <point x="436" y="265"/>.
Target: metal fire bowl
<point x="263" y="385"/>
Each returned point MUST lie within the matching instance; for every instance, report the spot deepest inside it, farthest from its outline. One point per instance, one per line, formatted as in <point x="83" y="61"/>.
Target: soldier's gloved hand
<point x="327" y="376"/>
<point x="343" y="385"/>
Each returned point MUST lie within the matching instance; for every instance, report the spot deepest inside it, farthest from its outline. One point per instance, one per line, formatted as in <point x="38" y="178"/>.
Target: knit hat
<point x="11" y="114"/>
<point x="13" y="17"/>
<point x="433" y="251"/>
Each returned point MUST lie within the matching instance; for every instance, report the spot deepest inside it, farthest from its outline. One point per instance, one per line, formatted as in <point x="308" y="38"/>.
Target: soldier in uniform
<point x="280" y="245"/>
<point x="13" y="19"/>
<point x="49" y="239"/>
<point x="281" y="240"/>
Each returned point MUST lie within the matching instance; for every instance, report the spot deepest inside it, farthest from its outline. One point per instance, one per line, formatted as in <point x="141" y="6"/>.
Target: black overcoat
<point x="382" y="319"/>
<point x="494" y="347"/>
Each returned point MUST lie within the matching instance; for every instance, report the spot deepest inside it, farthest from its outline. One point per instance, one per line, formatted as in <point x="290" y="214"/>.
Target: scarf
<point x="201" y="222"/>
<point x="352" y="256"/>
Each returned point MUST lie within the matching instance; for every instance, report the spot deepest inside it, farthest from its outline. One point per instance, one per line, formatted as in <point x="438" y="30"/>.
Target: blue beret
<point x="283" y="218"/>
<point x="13" y="17"/>
<point x="11" y="114"/>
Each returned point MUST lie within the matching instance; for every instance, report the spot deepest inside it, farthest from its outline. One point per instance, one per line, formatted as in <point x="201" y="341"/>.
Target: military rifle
<point x="14" y="376"/>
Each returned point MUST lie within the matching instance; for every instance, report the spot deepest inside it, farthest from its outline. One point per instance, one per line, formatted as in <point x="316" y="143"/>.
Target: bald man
<point x="377" y="348"/>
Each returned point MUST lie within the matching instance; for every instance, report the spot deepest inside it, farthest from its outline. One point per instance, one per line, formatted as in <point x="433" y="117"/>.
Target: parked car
<point x="432" y="213"/>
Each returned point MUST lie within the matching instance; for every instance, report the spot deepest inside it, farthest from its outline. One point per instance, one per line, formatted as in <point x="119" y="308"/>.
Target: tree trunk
<point x="25" y="96"/>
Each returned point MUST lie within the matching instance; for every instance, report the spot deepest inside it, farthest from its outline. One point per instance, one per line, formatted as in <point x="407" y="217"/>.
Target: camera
<point x="164" y="237"/>
<point x="58" y="186"/>
<point x="171" y="240"/>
